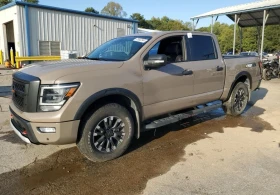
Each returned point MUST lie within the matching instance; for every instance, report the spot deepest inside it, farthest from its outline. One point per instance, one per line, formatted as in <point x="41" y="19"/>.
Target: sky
<point x="175" y="9"/>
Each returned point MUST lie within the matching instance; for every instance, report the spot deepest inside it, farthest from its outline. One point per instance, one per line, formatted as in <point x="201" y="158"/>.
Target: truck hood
<point x="50" y="71"/>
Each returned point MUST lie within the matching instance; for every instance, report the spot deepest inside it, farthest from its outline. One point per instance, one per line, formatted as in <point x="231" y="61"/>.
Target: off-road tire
<point x="85" y="142"/>
<point x="229" y="106"/>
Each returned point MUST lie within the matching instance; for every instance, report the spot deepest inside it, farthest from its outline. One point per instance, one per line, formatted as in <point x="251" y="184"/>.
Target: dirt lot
<point x="208" y="154"/>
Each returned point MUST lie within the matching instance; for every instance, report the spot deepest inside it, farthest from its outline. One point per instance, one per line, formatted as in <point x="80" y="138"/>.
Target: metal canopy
<point x="255" y="18"/>
<point x="251" y="14"/>
<point x="256" y="14"/>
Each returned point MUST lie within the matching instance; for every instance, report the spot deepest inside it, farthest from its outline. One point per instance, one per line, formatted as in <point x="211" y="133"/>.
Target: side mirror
<point x="155" y="61"/>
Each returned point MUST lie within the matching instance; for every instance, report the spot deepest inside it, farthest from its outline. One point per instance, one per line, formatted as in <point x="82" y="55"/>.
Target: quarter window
<point x="201" y="47"/>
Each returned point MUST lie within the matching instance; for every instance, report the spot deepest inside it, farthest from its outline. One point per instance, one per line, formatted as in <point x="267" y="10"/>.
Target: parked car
<point x="265" y="55"/>
<point x="270" y="55"/>
<point x="124" y="87"/>
<point x="249" y="54"/>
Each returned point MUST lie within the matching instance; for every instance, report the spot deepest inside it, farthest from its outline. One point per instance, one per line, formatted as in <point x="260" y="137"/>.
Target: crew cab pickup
<point x="128" y="85"/>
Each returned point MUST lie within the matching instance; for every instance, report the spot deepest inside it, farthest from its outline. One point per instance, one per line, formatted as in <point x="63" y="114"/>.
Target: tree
<point x="4" y="2"/>
<point x="166" y="23"/>
<point x="142" y="22"/>
<point x="91" y="10"/>
<point x="31" y="1"/>
<point x="114" y="9"/>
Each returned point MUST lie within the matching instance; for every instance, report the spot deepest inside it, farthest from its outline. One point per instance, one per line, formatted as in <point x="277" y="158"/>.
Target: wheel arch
<point x="244" y="77"/>
<point x="117" y="95"/>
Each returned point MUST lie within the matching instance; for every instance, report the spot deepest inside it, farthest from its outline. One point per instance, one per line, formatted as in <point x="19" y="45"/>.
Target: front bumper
<point x="23" y="138"/>
<point x="66" y="132"/>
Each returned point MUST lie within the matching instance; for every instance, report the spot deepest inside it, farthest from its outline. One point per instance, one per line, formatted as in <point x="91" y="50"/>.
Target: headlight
<point x="53" y="97"/>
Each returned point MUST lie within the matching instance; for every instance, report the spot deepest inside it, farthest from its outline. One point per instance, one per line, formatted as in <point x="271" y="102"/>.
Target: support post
<point x="212" y="24"/>
<point x="217" y="18"/>
<point x="196" y="23"/>
<point x="241" y="38"/>
<point x="1" y="57"/>
<point x="265" y="17"/>
<point x="12" y="56"/>
<point x="193" y="25"/>
<point x="234" y="34"/>
<point x="17" y="62"/>
<point x="236" y="21"/>
<point x="259" y="40"/>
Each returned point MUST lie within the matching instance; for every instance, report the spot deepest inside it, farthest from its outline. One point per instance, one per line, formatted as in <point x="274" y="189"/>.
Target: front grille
<point x="18" y="86"/>
<point x="19" y="94"/>
<point x="25" y="91"/>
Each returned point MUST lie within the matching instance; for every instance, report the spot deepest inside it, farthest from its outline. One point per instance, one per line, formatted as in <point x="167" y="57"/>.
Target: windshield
<point x="119" y="49"/>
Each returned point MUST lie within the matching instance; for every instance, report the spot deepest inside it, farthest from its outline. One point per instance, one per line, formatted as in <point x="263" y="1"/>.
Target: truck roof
<point x="161" y="33"/>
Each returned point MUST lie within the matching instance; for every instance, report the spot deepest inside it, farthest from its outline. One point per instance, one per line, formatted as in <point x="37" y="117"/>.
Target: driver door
<point x="167" y="88"/>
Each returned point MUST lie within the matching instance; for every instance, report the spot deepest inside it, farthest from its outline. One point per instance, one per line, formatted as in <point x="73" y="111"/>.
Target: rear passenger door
<point x="207" y="66"/>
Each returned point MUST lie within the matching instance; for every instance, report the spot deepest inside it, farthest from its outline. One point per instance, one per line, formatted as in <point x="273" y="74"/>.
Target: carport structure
<point x="256" y="14"/>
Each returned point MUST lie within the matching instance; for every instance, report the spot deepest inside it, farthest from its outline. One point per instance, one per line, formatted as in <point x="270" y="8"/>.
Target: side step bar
<point x="175" y="118"/>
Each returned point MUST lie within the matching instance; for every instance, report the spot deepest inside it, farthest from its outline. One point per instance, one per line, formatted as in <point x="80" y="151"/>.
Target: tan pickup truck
<point x="128" y="85"/>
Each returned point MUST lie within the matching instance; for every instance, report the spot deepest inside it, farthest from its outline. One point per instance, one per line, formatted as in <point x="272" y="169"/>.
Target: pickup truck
<point x="128" y="85"/>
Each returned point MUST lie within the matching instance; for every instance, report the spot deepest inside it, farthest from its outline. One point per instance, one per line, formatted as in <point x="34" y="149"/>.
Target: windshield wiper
<point x="101" y="59"/>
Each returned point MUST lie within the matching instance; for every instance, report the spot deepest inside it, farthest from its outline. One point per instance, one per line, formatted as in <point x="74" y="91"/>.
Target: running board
<point x="175" y="118"/>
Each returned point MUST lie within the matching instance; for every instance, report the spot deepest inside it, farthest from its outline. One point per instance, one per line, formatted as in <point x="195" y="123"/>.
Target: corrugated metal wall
<point x="75" y="32"/>
<point x="21" y="31"/>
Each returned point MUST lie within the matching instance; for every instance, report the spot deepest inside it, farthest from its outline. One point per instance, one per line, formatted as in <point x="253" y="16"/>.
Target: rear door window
<point x="201" y="47"/>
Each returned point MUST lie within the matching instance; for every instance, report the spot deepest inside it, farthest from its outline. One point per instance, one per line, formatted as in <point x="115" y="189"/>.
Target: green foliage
<point x="31" y="1"/>
<point x="164" y="23"/>
<point x="250" y="35"/>
<point x="142" y="22"/>
<point x="91" y="10"/>
<point x="4" y="2"/>
<point x="114" y="9"/>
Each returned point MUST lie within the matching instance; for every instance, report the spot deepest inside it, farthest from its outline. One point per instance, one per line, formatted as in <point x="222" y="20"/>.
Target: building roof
<point x="251" y="14"/>
<point x="64" y="10"/>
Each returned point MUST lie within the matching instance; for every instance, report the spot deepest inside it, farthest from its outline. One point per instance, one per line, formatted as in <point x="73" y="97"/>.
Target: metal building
<point x="39" y="30"/>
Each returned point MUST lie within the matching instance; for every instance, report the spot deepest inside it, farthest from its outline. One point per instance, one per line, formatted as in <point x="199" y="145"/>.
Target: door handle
<point x="220" y="68"/>
<point x="187" y="72"/>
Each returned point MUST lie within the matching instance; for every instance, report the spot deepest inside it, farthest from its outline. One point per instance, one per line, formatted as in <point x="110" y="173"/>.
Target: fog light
<point x="47" y="129"/>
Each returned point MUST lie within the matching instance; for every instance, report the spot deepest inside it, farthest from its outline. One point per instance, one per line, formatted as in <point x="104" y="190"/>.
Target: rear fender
<point x="239" y="77"/>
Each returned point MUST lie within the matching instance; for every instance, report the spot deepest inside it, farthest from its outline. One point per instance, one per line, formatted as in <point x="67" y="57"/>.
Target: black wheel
<point x="107" y="133"/>
<point x="237" y="101"/>
<point x="267" y="74"/>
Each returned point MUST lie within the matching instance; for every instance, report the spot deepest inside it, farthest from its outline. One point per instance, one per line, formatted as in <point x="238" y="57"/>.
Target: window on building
<point x="120" y="32"/>
<point x="201" y="47"/>
<point x="49" y="48"/>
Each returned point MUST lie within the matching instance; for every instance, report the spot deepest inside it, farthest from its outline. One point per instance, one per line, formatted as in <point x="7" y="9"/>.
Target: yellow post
<point x="12" y="57"/>
<point x="1" y="57"/>
<point x="17" y="62"/>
